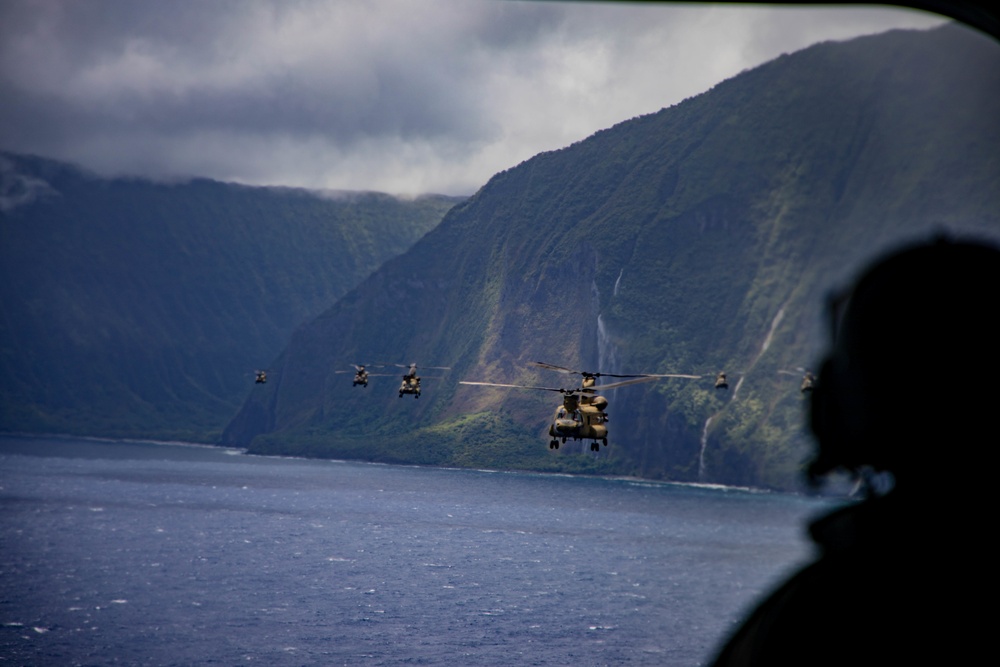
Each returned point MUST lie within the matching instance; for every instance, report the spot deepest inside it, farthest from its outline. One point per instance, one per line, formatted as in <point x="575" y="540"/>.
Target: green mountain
<point x="133" y="308"/>
<point x="701" y="238"/>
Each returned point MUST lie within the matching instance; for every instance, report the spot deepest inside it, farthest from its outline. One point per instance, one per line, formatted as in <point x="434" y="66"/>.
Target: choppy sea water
<point x="152" y="554"/>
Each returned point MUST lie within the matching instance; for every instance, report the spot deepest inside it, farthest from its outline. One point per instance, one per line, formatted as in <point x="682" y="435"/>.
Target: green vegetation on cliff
<point x="133" y="308"/>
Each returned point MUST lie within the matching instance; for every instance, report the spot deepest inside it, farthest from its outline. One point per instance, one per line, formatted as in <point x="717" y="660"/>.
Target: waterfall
<point x="770" y="332"/>
<point x="763" y="348"/>
<point x="701" y="451"/>
<point x="607" y="353"/>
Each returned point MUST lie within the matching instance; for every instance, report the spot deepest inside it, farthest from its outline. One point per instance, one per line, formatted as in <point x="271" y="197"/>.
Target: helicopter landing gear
<point x="595" y="447"/>
<point x="604" y="442"/>
<point x="554" y="444"/>
<point x="401" y="394"/>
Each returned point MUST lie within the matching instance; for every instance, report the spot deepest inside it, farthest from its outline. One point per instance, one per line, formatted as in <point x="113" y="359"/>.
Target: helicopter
<point x="361" y="377"/>
<point x="411" y="381"/>
<point x="583" y="414"/>
<point x="720" y="381"/>
<point x="361" y="374"/>
<point x="261" y="377"/>
<point x="808" y="379"/>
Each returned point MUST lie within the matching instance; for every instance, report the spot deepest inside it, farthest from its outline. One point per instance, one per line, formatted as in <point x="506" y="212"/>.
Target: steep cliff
<point x="142" y="309"/>
<point x="700" y="238"/>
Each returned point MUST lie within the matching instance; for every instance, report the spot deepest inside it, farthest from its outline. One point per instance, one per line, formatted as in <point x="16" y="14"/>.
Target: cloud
<point x="17" y="188"/>
<point x="378" y="94"/>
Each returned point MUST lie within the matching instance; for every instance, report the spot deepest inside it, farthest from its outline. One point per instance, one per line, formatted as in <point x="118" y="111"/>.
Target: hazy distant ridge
<point x="142" y="309"/>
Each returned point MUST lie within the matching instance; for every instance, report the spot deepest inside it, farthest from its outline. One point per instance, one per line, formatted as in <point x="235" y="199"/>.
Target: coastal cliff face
<point x="700" y="238"/>
<point x="141" y="309"/>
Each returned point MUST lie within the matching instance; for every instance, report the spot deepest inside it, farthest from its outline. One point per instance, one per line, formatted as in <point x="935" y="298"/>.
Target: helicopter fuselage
<point x="580" y="417"/>
<point x="410" y="385"/>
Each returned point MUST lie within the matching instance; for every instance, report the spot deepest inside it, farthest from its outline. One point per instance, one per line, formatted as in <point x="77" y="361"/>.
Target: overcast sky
<point x="400" y="96"/>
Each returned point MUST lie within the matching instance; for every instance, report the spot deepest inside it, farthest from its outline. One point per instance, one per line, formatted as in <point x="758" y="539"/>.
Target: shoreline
<point x="709" y="486"/>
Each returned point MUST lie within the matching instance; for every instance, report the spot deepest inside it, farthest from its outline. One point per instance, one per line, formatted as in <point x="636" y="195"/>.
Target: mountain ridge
<point x="700" y="238"/>
<point x="138" y="308"/>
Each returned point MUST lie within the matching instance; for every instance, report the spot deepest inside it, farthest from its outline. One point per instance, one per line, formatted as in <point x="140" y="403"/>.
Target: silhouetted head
<point x="907" y="386"/>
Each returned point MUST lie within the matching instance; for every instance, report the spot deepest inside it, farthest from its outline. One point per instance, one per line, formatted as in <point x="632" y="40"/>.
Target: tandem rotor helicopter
<point x="361" y="374"/>
<point x="583" y="414"/>
<point x="411" y="381"/>
<point x="808" y="379"/>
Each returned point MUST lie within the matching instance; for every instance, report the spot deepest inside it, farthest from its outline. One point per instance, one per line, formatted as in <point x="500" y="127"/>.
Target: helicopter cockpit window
<point x="563" y="413"/>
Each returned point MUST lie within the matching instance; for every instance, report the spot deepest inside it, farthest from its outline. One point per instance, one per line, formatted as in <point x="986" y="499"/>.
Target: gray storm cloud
<point x="383" y="94"/>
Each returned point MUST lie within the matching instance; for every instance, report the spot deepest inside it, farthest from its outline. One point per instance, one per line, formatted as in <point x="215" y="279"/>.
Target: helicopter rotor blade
<point x="558" y="369"/>
<point x="570" y="371"/>
<point x="615" y="385"/>
<point x="513" y="386"/>
<point x="360" y="367"/>
<point x="578" y="390"/>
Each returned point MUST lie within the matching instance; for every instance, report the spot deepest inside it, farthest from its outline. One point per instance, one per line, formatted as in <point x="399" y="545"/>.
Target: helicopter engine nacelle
<point x="600" y="403"/>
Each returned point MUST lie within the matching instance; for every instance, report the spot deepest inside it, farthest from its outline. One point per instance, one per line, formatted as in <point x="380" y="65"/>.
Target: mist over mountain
<point x="701" y="238"/>
<point x="142" y="309"/>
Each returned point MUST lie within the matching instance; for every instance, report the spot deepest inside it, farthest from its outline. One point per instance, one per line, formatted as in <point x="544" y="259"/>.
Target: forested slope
<point x="142" y="309"/>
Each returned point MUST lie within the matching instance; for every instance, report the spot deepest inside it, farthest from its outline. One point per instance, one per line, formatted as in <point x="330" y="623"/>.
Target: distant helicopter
<point x="361" y="377"/>
<point x="361" y="374"/>
<point x="808" y="383"/>
<point x="808" y="379"/>
<point x="583" y="414"/>
<point x="261" y="377"/>
<point x="411" y="381"/>
<point x="720" y="381"/>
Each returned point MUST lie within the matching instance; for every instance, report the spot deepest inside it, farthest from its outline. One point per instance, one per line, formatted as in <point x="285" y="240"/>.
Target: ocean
<point x="169" y="554"/>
